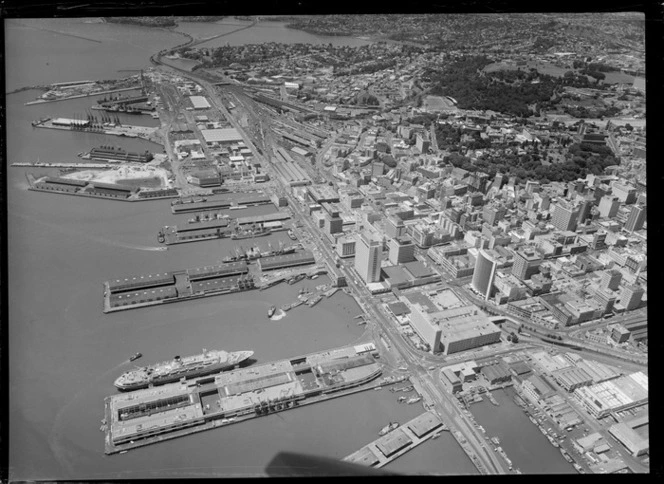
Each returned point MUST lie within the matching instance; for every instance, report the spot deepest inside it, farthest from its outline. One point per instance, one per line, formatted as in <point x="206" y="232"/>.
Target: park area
<point x="438" y="103"/>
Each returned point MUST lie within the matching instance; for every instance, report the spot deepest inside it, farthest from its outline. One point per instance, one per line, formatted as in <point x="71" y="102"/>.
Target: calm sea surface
<point x="64" y="352"/>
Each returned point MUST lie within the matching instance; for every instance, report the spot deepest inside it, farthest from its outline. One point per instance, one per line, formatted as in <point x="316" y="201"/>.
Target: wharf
<point x="210" y="230"/>
<point x="117" y="111"/>
<point x="261" y="219"/>
<point x="107" y="191"/>
<point x="155" y="414"/>
<point x="129" y="131"/>
<point x="42" y="101"/>
<point x="394" y="444"/>
<point x="277" y="277"/>
<point x="38" y="164"/>
<point x="220" y="202"/>
<point x="155" y="289"/>
<point x="304" y="257"/>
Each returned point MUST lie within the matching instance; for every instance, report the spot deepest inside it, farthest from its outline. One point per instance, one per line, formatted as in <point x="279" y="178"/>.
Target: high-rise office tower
<point x="526" y="264"/>
<point x="565" y="216"/>
<point x="636" y="218"/>
<point x="484" y="274"/>
<point x="368" y="254"/>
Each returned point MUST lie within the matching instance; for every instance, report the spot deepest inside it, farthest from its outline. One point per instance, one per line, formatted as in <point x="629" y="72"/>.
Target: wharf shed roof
<point x="393" y="442"/>
<point x="221" y="135"/>
<point x="66" y="181"/>
<point x="199" y="102"/>
<point x="424" y="424"/>
<point x="520" y="367"/>
<point x="541" y="385"/>
<point x="572" y="376"/>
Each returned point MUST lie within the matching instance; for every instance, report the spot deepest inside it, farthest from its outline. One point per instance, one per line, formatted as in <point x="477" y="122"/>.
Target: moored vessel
<point x="388" y="428"/>
<point x="271" y="311"/>
<point x="188" y="367"/>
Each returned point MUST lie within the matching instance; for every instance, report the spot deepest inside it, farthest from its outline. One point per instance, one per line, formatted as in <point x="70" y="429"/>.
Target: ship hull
<point x="173" y="378"/>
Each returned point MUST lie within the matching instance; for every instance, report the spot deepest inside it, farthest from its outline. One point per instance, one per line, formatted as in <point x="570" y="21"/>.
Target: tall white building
<point x="484" y="274"/>
<point x="368" y="254"/>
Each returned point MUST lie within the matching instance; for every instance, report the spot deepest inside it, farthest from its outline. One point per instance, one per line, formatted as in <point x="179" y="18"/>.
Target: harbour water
<point x="64" y="353"/>
<point x="261" y="32"/>
<point x="522" y="441"/>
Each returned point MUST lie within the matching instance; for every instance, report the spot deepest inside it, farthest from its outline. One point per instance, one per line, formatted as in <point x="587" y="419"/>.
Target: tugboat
<point x="388" y="428"/>
<point x="135" y="356"/>
<point x="270" y="312"/>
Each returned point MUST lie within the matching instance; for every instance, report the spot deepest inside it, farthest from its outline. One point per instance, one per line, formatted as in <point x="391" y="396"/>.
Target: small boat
<point x="271" y="311"/>
<point x="413" y="400"/>
<point x="135" y="356"/>
<point x="495" y="440"/>
<point x="123" y="452"/>
<point x="388" y="428"/>
<point x="401" y="399"/>
<point x="315" y="276"/>
<point x="378" y="388"/>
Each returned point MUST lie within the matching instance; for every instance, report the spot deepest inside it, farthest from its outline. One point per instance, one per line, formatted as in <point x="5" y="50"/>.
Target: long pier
<point x="129" y="131"/>
<point x="64" y="165"/>
<point x="397" y="442"/>
<point x="107" y="191"/>
<point x="155" y="414"/>
<point x="219" y="202"/>
<point x="154" y="289"/>
<point x="77" y="96"/>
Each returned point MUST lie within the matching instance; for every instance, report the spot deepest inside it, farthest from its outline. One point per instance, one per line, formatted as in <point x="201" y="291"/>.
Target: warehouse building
<point x="199" y="102"/>
<point x="496" y="373"/>
<point x="221" y="136"/>
<point x="612" y="396"/>
<point x="451" y="381"/>
<point x="572" y="378"/>
<point x="633" y="435"/>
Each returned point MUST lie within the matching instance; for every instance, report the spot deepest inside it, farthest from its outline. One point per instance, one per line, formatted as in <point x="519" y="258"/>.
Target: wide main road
<point x="442" y="401"/>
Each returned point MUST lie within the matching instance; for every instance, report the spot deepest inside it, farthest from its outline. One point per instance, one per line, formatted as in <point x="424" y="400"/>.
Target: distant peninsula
<point x="161" y="21"/>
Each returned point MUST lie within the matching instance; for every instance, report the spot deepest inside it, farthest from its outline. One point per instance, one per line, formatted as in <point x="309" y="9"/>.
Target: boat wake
<point x="280" y="315"/>
<point x="81" y="234"/>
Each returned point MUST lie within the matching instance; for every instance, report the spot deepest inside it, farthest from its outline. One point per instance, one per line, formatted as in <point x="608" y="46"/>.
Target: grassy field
<point x="438" y="103"/>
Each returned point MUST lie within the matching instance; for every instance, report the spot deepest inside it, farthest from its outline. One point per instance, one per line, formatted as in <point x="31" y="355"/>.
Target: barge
<point x="155" y="414"/>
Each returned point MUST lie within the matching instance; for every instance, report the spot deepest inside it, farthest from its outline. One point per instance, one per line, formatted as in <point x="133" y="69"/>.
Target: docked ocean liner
<point x="188" y="367"/>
